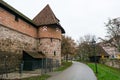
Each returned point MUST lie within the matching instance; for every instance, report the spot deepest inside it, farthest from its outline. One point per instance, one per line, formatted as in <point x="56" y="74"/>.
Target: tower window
<point x="54" y="53"/>
<point x="51" y="39"/>
<point x="39" y="40"/>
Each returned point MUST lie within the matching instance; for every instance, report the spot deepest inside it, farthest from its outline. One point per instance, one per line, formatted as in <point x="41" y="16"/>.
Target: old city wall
<point x="14" y="43"/>
<point x="16" y="36"/>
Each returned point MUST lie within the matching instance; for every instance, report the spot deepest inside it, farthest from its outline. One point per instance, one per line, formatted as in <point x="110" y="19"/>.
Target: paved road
<point x="78" y="71"/>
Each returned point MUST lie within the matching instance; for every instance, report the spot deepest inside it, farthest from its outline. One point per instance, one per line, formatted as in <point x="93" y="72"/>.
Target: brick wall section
<point x="8" y="20"/>
<point x="15" y="42"/>
<point x="51" y="48"/>
<point x="49" y="32"/>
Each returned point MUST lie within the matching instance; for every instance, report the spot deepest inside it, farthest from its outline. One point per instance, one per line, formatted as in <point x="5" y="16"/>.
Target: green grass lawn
<point x="105" y="72"/>
<point x="64" y="66"/>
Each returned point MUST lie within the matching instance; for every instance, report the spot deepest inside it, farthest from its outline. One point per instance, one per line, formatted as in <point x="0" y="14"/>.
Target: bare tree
<point x="84" y="49"/>
<point x="113" y="30"/>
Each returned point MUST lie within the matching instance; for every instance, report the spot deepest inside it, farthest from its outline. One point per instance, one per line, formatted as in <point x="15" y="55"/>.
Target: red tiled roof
<point x="47" y="17"/>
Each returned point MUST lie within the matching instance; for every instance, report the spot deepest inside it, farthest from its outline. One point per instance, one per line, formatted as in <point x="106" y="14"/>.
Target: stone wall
<point x="51" y="48"/>
<point x="111" y="62"/>
<point x="15" y="42"/>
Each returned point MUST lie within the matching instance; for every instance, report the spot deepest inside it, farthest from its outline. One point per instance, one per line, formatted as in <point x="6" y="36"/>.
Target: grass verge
<point x="105" y="72"/>
<point x="42" y="77"/>
<point x="64" y="66"/>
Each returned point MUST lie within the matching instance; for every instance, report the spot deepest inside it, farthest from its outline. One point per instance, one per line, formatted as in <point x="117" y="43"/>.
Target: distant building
<point x="100" y="53"/>
<point x="110" y="49"/>
<point x="40" y="36"/>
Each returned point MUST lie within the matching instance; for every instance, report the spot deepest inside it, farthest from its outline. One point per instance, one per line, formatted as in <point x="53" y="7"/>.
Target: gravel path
<point x="78" y="71"/>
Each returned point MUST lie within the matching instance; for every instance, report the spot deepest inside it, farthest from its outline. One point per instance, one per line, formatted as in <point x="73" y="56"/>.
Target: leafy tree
<point x="68" y="46"/>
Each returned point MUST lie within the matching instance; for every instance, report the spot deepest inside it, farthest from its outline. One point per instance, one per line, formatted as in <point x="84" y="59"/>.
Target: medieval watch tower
<point x="49" y="34"/>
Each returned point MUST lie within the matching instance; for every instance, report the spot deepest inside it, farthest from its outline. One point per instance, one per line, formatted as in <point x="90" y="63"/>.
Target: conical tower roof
<point x="45" y="17"/>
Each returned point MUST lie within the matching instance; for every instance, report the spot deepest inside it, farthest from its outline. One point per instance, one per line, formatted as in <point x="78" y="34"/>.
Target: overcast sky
<point x="77" y="17"/>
